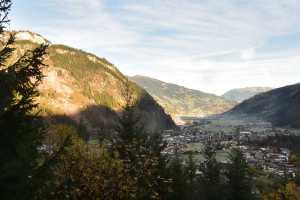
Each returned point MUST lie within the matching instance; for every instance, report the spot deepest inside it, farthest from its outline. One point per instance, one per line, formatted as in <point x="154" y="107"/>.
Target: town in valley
<point x="227" y="134"/>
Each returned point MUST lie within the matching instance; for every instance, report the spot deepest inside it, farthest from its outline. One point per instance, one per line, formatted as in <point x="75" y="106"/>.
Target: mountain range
<point x="241" y="94"/>
<point x="179" y="101"/>
<point x="87" y="90"/>
<point x="279" y="106"/>
<point x="84" y="89"/>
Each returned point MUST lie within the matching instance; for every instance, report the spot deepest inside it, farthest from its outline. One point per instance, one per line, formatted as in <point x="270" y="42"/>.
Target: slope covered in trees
<point x="279" y="106"/>
<point x="181" y="101"/>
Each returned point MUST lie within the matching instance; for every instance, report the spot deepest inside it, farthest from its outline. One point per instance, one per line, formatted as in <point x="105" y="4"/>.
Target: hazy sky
<point x="210" y="45"/>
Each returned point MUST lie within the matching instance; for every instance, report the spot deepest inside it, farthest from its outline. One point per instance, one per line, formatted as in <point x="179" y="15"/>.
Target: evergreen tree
<point x="210" y="179"/>
<point x="178" y="178"/>
<point x="139" y="151"/>
<point x="239" y="185"/>
<point x="20" y="134"/>
<point x="191" y="176"/>
<point x="159" y="176"/>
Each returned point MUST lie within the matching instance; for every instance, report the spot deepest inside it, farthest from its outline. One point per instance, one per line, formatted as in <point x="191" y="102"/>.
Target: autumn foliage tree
<point x="77" y="170"/>
<point x="290" y="191"/>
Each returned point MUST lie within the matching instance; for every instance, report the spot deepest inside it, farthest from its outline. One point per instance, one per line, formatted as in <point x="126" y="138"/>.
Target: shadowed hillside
<point x="97" y="121"/>
<point x="241" y="94"/>
<point x="280" y="106"/>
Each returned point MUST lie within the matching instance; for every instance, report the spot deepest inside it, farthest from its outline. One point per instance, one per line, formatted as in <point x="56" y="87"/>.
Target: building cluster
<point x="269" y="159"/>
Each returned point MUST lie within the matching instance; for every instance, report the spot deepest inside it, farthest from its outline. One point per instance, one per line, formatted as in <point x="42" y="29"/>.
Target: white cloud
<point x="210" y="45"/>
<point x="248" y="54"/>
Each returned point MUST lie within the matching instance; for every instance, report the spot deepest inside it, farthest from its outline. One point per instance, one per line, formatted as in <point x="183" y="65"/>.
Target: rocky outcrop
<point x="79" y="85"/>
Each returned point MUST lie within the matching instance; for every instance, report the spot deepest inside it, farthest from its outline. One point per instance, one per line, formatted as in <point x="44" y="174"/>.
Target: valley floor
<point x="229" y="133"/>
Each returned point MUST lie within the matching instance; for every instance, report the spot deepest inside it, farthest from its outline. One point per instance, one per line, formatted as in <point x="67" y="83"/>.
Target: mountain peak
<point x="242" y="94"/>
<point x="29" y="36"/>
<point x="84" y="87"/>
<point x="279" y="106"/>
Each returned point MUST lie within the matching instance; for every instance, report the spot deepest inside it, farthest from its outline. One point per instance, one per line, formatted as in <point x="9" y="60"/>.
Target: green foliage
<point x="105" y="99"/>
<point x="20" y="128"/>
<point x="78" y="62"/>
<point x="140" y="153"/>
<point x="87" y="69"/>
<point x="210" y="178"/>
<point x="80" y="171"/>
<point x="178" y="178"/>
<point x="267" y="183"/>
<point x="239" y="184"/>
<point x="192" y="185"/>
<point x="178" y="100"/>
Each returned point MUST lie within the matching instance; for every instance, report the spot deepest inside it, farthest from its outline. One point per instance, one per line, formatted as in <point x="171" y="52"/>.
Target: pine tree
<point x="191" y="176"/>
<point x="239" y="185"/>
<point x="210" y="179"/>
<point x="178" y="178"/>
<point x="139" y="151"/>
<point x="20" y="130"/>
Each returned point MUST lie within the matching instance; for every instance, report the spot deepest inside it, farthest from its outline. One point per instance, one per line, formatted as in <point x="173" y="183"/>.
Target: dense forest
<point x="54" y="161"/>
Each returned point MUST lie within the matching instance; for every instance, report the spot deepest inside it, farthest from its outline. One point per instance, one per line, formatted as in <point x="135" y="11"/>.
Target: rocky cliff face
<point x="181" y="101"/>
<point x="87" y="89"/>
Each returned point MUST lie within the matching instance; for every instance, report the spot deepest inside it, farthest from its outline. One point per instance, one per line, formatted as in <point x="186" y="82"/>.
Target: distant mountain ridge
<point x="241" y="94"/>
<point x="87" y="89"/>
<point x="280" y="106"/>
<point x="180" y="101"/>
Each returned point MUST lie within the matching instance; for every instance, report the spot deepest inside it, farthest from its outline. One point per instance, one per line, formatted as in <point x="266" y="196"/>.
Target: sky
<point x="209" y="45"/>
